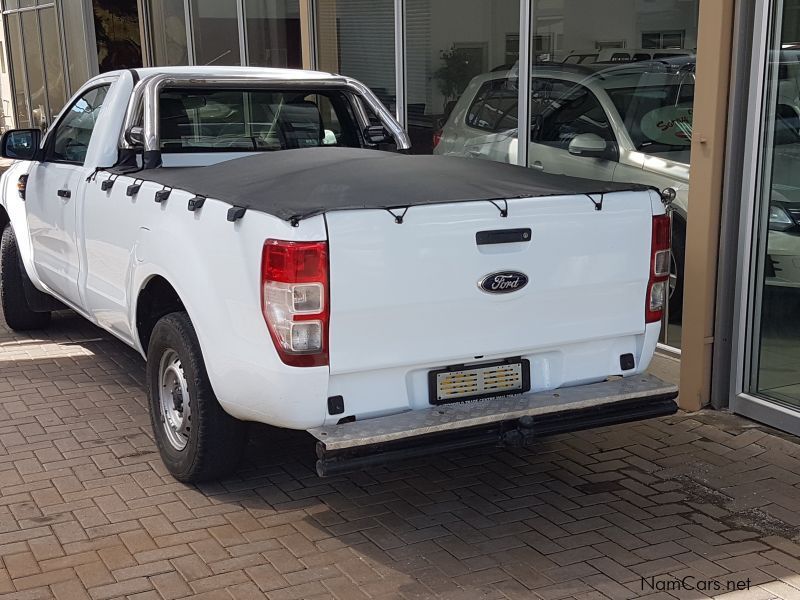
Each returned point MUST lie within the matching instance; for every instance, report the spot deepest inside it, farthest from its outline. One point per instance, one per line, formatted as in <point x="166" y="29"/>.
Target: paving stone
<point x="88" y="511"/>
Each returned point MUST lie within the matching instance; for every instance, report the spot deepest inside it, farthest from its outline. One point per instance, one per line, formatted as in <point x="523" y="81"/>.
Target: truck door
<point x="53" y="190"/>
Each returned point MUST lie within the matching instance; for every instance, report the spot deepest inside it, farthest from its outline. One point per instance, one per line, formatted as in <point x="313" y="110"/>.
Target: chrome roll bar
<point x="143" y="106"/>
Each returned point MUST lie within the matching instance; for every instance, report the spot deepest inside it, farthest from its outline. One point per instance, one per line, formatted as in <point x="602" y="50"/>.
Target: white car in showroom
<point x="622" y="123"/>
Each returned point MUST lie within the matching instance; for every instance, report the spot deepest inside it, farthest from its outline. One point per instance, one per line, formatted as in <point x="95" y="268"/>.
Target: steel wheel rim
<point x="174" y="405"/>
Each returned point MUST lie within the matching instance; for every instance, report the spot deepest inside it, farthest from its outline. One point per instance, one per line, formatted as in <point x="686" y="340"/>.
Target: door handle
<point x="64" y="194"/>
<point x="538" y="165"/>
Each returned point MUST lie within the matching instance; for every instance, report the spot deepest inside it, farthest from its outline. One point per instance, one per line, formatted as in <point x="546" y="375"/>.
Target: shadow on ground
<point x="617" y="512"/>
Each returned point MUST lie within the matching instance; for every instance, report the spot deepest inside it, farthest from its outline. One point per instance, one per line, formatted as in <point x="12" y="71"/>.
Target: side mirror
<point x="135" y="136"/>
<point x="587" y="144"/>
<point x="20" y="144"/>
<point x="376" y="134"/>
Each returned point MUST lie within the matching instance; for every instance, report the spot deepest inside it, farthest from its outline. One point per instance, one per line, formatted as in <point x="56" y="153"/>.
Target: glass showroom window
<point x="356" y="38"/>
<point x="461" y="85"/>
<point x="215" y="27"/>
<point x="273" y="33"/>
<point x="612" y="94"/>
<point x="116" y="31"/>
<point x="775" y="372"/>
<point x="38" y="78"/>
<point x="168" y="32"/>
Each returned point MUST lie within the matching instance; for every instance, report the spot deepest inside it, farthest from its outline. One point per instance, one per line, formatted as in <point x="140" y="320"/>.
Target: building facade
<point x="623" y="90"/>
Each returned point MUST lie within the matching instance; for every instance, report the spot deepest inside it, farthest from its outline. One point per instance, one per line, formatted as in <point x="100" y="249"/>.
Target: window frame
<point x="50" y="141"/>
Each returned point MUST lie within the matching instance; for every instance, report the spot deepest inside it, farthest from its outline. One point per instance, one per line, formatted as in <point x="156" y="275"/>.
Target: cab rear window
<point x="196" y="120"/>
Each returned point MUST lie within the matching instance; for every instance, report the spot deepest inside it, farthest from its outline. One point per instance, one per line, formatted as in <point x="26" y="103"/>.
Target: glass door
<point x="770" y="260"/>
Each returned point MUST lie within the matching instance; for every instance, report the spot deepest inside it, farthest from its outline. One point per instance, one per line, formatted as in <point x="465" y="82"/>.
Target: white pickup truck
<point x="241" y="230"/>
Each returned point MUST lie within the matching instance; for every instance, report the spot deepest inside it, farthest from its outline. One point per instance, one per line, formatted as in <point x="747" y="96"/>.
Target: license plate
<point x="461" y="383"/>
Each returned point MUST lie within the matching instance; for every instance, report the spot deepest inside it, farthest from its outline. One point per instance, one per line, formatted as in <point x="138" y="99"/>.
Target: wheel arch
<point x="156" y="298"/>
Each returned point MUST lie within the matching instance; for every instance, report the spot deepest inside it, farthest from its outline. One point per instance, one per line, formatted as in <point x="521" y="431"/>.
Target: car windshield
<point x="657" y="116"/>
<point x="196" y="120"/>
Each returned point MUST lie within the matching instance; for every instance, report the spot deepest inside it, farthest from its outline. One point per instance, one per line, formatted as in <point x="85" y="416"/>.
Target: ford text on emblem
<point x="503" y="282"/>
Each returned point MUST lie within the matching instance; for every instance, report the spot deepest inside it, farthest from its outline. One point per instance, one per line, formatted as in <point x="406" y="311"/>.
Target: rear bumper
<point x="515" y="420"/>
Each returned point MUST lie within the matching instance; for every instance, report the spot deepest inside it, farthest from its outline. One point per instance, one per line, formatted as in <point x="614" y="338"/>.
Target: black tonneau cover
<point x="297" y="184"/>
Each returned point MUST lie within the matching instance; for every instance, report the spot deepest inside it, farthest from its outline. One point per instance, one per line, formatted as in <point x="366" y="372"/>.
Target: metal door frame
<point x="752" y="233"/>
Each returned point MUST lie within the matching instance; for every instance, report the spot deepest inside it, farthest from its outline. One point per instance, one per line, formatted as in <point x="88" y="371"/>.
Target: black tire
<point x="214" y="441"/>
<point x="17" y="312"/>
<point x="679" y="265"/>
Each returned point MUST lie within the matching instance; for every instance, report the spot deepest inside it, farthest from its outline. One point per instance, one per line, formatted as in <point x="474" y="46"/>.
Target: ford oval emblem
<point x="503" y="282"/>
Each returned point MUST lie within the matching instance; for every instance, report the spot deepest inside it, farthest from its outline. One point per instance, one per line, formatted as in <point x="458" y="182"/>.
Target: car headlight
<point x="779" y="219"/>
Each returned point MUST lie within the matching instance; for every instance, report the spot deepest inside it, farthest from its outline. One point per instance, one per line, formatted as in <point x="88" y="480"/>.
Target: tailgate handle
<point x="503" y="236"/>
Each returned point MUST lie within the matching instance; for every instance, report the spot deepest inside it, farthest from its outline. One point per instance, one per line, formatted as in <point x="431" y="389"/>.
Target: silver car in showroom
<point x="621" y="122"/>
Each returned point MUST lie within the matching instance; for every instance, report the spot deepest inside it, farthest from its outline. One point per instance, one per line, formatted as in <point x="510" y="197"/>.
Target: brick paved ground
<point x="87" y="510"/>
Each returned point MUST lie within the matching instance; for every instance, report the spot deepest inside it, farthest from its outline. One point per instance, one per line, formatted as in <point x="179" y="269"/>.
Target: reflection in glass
<point x="168" y="23"/>
<point x="54" y="67"/>
<point x="22" y="110"/>
<point x="116" y="29"/>
<point x="273" y="33"/>
<point x="75" y="36"/>
<point x="356" y="38"/>
<point x="777" y="368"/>
<point x="35" y="70"/>
<point x="462" y="88"/>
<point x="612" y="99"/>
<point x="215" y="27"/>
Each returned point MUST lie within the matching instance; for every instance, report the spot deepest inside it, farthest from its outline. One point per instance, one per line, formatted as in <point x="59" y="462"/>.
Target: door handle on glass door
<point x="64" y="194"/>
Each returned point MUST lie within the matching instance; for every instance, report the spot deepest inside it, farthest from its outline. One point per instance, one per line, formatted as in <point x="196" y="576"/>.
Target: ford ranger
<point x="251" y="234"/>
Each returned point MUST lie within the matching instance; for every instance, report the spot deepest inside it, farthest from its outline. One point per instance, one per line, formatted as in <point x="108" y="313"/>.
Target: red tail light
<point x="294" y="300"/>
<point x="437" y="138"/>
<point x="659" y="269"/>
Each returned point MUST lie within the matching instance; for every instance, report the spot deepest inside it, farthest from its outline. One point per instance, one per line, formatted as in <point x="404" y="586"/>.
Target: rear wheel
<point x="18" y="314"/>
<point x="196" y="438"/>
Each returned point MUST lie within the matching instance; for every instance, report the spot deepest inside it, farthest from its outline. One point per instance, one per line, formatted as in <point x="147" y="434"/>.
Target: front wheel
<point x="196" y="438"/>
<point x="17" y="311"/>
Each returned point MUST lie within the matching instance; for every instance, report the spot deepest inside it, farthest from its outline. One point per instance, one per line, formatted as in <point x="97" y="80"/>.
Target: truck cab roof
<point x="228" y="71"/>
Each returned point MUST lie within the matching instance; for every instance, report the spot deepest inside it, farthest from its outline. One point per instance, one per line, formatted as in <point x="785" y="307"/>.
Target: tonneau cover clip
<point x="196" y="203"/>
<point x="235" y="213"/>
<point x="108" y="183"/>
<point x="134" y="188"/>
<point x="162" y="195"/>
<point x="598" y="204"/>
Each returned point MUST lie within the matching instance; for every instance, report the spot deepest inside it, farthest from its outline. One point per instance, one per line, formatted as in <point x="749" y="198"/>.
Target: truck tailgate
<point x="408" y="293"/>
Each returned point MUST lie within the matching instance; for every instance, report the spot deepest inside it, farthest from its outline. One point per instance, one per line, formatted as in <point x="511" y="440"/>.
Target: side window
<point x="495" y="106"/>
<point x="561" y="110"/>
<point x="73" y="132"/>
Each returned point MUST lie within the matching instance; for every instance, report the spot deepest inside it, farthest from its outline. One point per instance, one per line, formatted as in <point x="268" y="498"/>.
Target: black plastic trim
<point x="335" y="405"/>
<point x="503" y="236"/>
<point x="235" y="213"/>
<point x="196" y="203"/>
